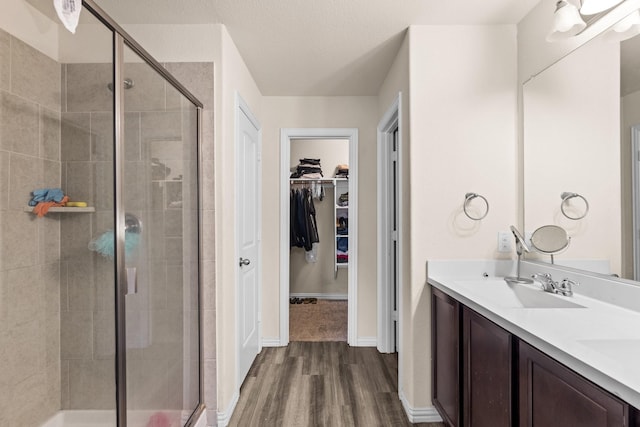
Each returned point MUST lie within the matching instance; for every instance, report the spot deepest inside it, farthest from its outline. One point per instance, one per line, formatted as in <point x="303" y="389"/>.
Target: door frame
<point x="286" y="135"/>
<point x="391" y="119"/>
<point x="241" y="107"/>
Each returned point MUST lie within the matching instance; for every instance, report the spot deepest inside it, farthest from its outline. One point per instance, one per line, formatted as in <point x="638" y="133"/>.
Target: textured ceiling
<point x="316" y="47"/>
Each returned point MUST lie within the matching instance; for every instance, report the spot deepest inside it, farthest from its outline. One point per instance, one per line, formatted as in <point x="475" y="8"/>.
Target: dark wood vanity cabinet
<point x="471" y="366"/>
<point x="551" y="395"/>
<point x="445" y="343"/>
<point x="483" y="376"/>
<point x="487" y="372"/>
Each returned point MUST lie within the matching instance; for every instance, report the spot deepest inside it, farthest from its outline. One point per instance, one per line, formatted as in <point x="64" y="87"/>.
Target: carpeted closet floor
<point x="325" y="320"/>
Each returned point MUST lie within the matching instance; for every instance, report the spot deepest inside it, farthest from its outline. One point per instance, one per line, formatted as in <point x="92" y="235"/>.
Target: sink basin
<point x="506" y="295"/>
<point x="520" y="296"/>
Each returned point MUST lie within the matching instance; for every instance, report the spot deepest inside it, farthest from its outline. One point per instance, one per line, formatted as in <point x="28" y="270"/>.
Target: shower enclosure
<point x="99" y="304"/>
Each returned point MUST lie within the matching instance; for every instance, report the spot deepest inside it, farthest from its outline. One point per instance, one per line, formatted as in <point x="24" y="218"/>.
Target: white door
<point x="248" y="139"/>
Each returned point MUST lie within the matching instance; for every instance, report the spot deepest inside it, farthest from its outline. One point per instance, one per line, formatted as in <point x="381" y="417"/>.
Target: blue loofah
<point x="104" y="244"/>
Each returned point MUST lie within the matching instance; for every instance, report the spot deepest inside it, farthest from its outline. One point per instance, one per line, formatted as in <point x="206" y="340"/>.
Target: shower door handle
<point x="244" y="261"/>
<point x="132" y="282"/>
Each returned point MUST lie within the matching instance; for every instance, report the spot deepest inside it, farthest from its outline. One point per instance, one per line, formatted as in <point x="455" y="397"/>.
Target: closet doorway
<point x="318" y="278"/>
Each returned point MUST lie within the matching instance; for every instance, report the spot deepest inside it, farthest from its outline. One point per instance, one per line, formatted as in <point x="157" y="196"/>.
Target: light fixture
<point x="567" y="22"/>
<point x="625" y="29"/>
<point x="591" y="7"/>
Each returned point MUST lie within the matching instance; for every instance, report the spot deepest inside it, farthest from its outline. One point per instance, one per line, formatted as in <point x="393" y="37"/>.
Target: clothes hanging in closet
<point x="304" y="228"/>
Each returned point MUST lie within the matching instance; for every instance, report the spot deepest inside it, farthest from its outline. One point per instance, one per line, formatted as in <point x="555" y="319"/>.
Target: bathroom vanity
<point x="513" y="355"/>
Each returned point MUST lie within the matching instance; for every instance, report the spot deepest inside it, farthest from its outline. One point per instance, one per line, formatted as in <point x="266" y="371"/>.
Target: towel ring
<point x="467" y="199"/>
<point x="566" y="196"/>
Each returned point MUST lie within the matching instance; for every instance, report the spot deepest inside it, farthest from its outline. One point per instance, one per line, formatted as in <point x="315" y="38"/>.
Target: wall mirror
<point x="579" y="117"/>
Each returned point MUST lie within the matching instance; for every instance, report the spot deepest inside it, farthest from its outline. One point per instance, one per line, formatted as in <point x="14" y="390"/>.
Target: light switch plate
<point x="505" y="239"/>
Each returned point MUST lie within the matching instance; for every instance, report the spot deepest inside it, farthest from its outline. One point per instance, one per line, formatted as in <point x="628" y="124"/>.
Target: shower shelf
<point x="65" y="210"/>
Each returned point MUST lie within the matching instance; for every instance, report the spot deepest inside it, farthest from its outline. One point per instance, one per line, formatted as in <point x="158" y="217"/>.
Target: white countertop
<point x="599" y="340"/>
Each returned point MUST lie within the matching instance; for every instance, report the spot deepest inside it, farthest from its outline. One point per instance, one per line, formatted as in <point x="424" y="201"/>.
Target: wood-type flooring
<point x="321" y="384"/>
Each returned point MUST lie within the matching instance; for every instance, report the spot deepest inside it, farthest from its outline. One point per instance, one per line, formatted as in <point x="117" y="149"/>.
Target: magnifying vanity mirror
<point x="581" y="124"/>
<point x="550" y="240"/>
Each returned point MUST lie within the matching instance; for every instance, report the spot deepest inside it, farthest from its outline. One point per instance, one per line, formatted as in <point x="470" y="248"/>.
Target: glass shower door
<point x="161" y="248"/>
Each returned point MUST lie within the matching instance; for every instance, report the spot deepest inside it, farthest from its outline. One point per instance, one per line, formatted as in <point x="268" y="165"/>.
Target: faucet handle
<point x="565" y="286"/>
<point x="568" y="283"/>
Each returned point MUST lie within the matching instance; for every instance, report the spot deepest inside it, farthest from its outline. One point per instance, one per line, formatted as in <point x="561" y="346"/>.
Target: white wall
<point x="23" y="21"/>
<point x="319" y="112"/>
<point x="463" y="83"/>
<point x="572" y="143"/>
<point x="234" y="77"/>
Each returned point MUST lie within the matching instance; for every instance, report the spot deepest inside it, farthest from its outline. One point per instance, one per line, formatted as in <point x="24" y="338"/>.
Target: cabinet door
<point x="445" y="341"/>
<point x="551" y="395"/>
<point x="487" y="372"/>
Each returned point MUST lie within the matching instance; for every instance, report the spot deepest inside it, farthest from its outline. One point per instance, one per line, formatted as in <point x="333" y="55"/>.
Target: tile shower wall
<point x="56" y="297"/>
<point x="156" y="314"/>
<point x="87" y="344"/>
<point x="29" y="247"/>
<point x="199" y="79"/>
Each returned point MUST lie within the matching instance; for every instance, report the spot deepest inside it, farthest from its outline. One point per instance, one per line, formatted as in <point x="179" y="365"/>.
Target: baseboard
<point x="225" y="417"/>
<point x="271" y="342"/>
<point x="367" y="342"/>
<point x="420" y="415"/>
<point x="319" y="296"/>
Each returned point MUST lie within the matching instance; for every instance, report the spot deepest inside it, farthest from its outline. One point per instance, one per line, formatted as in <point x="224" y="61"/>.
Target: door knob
<point x="244" y="261"/>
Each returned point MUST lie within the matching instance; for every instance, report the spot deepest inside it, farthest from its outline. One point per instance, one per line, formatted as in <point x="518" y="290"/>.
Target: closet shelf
<point x="88" y="209"/>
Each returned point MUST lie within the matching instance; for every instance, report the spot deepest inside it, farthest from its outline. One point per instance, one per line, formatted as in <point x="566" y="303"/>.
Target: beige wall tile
<point x="25" y="293"/>
<point x="4" y="180"/>
<point x="26" y="176"/>
<point x="105" y="283"/>
<point x="91" y="384"/>
<point x="175" y="287"/>
<point x="5" y="60"/>
<point x="64" y="384"/>
<point x="104" y="186"/>
<point x="80" y="281"/>
<point x="136" y="182"/>
<point x="49" y="238"/>
<point x="34" y="76"/>
<point x="51" y="326"/>
<point x="148" y="94"/>
<point x="197" y="77"/>
<point x="19" y="243"/>
<point x="76" y="232"/>
<point x="208" y="285"/>
<point x="76" y="335"/>
<point x="156" y="126"/>
<point x="76" y="137"/>
<point x="80" y="184"/>
<point x="104" y="343"/>
<point x="158" y="285"/>
<point x="102" y="136"/>
<point x="210" y="389"/>
<point x="173" y="222"/>
<point x="26" y="352"/>
<point x="29" y="402"/>
<point x="4" y="311"/>
<point x="50" y="134"/>
<point x="19" y="124"/>
<point x="87" y="87"/>
<point x="209" y="333"/>
<point x="148" y="384"/>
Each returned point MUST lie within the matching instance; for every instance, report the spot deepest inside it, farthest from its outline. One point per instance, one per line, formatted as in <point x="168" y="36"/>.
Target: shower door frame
<point x="120" y="40"/>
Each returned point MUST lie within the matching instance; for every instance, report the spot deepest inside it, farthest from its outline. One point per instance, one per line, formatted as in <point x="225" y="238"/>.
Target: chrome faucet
<point x="549" y="285"/>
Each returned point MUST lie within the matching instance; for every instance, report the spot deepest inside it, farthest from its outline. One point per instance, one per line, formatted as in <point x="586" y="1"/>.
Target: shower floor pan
<point x="98" y="418"/>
